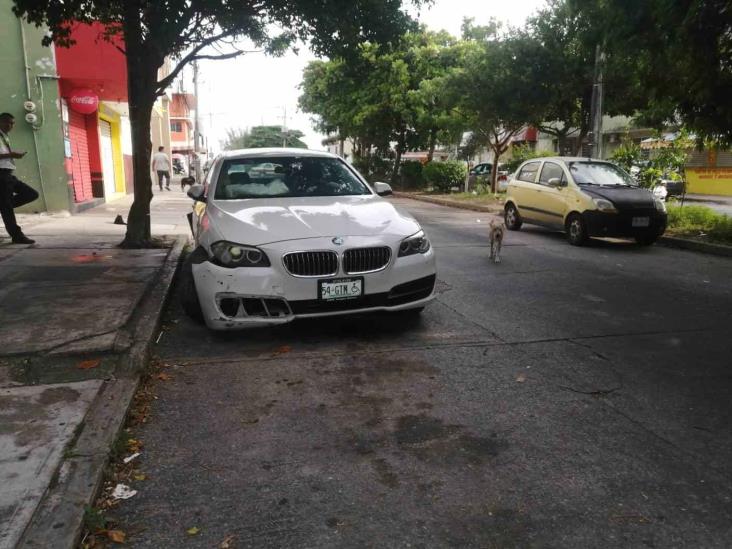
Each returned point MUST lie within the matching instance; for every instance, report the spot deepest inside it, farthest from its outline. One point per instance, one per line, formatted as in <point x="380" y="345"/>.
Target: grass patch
<point x="699" y="222"/>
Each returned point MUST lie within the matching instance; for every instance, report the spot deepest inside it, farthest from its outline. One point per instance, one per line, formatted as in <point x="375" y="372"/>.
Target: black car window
<point x="550" y="170"/>
<point x="528" y="172"/>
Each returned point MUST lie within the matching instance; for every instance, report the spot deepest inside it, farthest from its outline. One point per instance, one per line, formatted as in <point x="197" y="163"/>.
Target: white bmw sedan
<point x="289" y="233"/>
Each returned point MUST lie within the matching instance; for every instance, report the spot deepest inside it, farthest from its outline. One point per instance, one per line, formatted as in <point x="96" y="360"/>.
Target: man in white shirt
<point x="13" y="192"/>
<point x="161" y="166"/>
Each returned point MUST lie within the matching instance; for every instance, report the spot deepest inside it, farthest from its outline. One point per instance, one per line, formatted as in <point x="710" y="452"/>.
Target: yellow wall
<point x="709" y="181"/>
<point x="119" y="167"/>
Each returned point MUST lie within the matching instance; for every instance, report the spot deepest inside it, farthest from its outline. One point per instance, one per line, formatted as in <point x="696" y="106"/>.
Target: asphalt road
<point x="567" y="397"/>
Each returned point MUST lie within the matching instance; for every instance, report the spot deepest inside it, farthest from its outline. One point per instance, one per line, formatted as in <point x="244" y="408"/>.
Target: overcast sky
<point x="255" y="89"/>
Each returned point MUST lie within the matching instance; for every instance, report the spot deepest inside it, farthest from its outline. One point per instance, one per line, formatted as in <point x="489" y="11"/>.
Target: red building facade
<point x="93" y="68"/>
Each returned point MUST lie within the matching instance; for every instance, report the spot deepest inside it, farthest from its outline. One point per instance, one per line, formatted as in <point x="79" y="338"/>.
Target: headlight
<point x="228" y="254"/>
<point x="660" y="205"/>
<point x="605" y="205"/>
<point x="415" y="244"/>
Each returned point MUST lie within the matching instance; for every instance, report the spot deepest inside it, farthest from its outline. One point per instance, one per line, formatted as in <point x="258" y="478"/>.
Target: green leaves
<point x="263" y="136"/>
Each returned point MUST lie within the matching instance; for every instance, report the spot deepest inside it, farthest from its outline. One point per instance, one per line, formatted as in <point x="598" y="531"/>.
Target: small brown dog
<point x="497" y="231"/>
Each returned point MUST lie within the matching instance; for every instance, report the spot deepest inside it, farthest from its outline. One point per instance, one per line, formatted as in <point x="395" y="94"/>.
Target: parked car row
<point x="282" y="234"/>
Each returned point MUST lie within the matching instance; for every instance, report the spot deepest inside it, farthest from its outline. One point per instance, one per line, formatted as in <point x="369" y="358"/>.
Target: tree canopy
<point x="187" y="30"/>
<point x="683" y="51"/>
<point x="263" y="136"/>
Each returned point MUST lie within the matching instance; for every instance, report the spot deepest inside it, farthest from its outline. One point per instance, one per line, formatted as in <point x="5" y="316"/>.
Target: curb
<point x="450" y="203"/>
<point x="58" y="519"/>
<point x="668" y="241"/>
<point x="695" y="246"/>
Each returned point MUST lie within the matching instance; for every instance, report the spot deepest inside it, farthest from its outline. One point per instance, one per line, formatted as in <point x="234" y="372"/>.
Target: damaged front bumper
<point x="232" y="299"/>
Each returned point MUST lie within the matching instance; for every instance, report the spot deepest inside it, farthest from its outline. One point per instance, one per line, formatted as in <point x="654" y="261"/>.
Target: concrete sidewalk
<point x="77" y="315"/>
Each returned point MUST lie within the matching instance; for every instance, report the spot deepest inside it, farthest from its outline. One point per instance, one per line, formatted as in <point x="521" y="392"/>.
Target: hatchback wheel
<point x="512" y="218"/>
<point x="576" y="230"/>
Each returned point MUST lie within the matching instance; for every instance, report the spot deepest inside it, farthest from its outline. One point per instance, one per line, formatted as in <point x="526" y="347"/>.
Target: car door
<point x="523" y="190"/>
<point x="552" y="200"/>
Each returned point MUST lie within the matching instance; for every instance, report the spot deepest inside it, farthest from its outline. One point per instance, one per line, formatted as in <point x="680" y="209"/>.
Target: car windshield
<point x="599" y="173"/>
<point x="286" y="176"/>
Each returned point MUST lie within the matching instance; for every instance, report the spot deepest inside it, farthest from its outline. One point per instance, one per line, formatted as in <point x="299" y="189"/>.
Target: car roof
<point x="276" y="151"/>
<point x="569" y="159"/>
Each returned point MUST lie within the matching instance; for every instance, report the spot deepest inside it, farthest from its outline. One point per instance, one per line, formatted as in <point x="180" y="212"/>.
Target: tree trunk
<point x="432" y="144"/>
<point x="585" y="119"/>
<point x="494" y="170"/>
<point x="401" y="143"/>
<point x="141" y="84"/>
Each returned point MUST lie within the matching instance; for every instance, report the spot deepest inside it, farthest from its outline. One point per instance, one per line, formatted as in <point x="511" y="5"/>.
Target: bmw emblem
<point x="338" y="241"/>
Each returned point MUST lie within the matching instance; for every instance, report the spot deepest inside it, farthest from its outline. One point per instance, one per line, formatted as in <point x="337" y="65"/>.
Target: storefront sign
<point x="83" y="101"/>
<point x="709" y="181"/>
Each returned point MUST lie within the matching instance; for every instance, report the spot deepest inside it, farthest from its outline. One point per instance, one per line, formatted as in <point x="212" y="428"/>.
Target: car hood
<point x="263" y="221"/>
<point x="622" y="197"/>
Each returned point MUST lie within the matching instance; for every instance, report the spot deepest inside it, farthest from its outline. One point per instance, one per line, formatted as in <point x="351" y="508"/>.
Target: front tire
<point x="512" y="218"/>
<point x="576" y="230"/>
<point x="187" y="292"/>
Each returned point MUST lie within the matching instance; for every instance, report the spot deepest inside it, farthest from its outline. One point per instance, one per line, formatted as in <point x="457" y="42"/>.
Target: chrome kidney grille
<point x="311" y="263"/>
<point x="366" y="260"/>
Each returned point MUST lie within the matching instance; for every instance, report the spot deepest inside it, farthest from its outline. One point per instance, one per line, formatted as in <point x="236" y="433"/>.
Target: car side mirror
<point x="383" y="189"/>
<point x="196" y="192"/>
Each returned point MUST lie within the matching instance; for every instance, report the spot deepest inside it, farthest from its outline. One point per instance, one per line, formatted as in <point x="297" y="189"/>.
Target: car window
<point x="528" y="172"/>
<point x="286" y="176"/>
<point x="549" y="171"/>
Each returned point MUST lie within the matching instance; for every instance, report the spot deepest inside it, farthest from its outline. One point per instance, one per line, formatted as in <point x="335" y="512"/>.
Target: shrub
<point x="444" y="175"/>
<point x="693" y="220"/>
<point x="411" y="175"/>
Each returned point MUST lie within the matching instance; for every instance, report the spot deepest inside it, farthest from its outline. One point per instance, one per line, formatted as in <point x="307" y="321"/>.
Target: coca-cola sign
<point x="83" y="101"/>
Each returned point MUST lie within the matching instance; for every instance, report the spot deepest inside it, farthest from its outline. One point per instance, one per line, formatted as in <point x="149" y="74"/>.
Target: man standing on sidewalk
<point x="161" y="166"/>
<point x="13" y="192"/>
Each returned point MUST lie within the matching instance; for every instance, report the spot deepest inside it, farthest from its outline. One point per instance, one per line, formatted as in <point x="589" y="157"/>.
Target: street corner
<point x="38" y="425"/>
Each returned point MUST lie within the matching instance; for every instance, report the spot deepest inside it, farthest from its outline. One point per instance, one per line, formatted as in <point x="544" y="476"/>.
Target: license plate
<point x="342" y="288"/>
<point x="641" y="221"/>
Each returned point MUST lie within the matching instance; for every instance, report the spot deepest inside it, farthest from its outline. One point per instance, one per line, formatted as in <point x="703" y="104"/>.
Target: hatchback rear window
<point x="286" y="176"/>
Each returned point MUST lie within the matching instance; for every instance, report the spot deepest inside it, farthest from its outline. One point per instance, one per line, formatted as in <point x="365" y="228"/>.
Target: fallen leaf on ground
<point x="227" y="543"/>
<point x="140" y="477"/>
<point x="88" y="364"/>
<point x="521" y="378"/>
<point x="134" y="445"/>
<point x="193" y="531"/>
<point x="162" y="376"/>
<point x="282" y="350"/>
<point x="117" y="536"/>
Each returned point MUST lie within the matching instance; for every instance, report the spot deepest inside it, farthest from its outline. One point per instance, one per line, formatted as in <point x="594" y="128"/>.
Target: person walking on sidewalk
<point x="13" y="192"/>
<point x="161" y="165"/>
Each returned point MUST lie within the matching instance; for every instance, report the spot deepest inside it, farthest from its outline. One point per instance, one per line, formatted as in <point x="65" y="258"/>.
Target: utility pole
<point x="596" y="108"/>
<point x="196" y="125"/>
